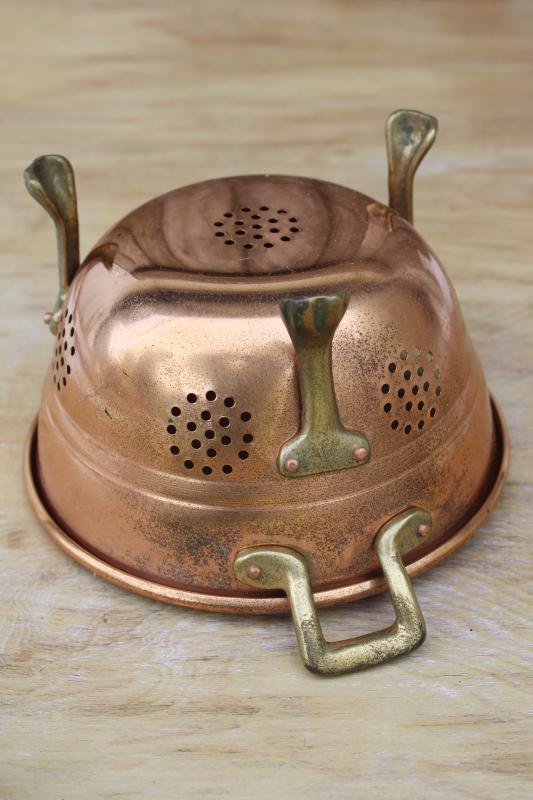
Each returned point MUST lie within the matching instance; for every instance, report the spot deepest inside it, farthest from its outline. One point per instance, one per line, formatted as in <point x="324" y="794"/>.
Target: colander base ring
<point x="259" y="605"/>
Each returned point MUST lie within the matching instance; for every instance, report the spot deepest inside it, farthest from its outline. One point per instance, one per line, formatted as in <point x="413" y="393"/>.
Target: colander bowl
<point x="262" y="396"/>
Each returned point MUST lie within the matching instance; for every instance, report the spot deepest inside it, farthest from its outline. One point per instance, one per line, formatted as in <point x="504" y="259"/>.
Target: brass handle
<point x="282" y="568"/>
<point x="323" y="443"/>
<point x="50" y="181"/>
<point x="409" y="136"/>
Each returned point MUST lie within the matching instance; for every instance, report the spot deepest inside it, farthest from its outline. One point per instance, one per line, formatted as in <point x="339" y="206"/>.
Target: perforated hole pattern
<point x="411" y="390"/>
<point x="251" y="227"/>
<point x="65" y="350"/>
<point x="210" y="435"/>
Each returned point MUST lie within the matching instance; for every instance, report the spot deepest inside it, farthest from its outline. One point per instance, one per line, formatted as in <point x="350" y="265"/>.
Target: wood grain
<point x="107" y="695"/>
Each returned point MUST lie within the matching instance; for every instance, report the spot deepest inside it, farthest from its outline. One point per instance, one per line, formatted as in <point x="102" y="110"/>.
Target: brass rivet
<point x="424" y="529"/>
<point x="360" y="453"/>
<point x="254" y="572"/>
<point x="47" y="317"/>
<point x="292" y="465"/>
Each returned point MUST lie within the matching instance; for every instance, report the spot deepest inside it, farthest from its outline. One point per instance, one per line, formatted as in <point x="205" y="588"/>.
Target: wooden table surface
<point x="107" y="695"/>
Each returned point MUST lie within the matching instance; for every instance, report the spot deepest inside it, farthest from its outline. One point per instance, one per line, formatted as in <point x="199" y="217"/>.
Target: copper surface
<point x="174" y="385"/>
<point x="258" y="605"/>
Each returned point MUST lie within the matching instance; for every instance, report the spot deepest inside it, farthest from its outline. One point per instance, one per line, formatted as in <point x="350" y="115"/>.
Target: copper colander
<point x="261" y="396"/>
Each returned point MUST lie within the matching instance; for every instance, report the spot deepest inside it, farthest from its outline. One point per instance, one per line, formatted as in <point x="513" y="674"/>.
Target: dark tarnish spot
<point x="210" y="546"/>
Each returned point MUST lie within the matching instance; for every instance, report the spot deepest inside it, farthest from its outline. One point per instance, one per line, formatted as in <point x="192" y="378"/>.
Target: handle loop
<point x="282" y="568"/>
